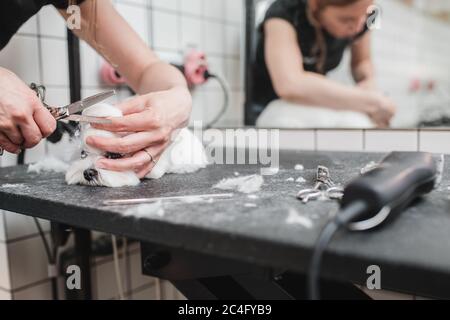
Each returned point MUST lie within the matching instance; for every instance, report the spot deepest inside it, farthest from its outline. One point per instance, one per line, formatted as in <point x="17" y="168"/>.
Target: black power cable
<point x="226" y="99"/>
<point x="343" y="217"/>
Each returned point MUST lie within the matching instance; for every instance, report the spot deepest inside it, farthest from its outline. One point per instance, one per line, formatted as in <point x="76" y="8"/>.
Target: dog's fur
<point x="185" y="154"/>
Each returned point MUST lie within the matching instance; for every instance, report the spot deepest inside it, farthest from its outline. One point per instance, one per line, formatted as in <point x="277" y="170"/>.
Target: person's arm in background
<point x="292" y="83"/>
<point x="164" y="102"/>
<point x="361" y="64"/>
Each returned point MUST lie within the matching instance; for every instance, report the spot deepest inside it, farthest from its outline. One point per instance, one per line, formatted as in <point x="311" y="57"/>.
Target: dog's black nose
<point x="90" y="174"/>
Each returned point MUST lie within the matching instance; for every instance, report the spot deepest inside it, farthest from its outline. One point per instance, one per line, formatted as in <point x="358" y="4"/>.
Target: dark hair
<point x="319" y="49"/>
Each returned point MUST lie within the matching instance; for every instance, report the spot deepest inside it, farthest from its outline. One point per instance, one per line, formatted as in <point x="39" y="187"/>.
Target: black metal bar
<point x="83" y="260"/>
<point x="82" y="237"/>
<point x="73" y="46"/>
<point x="249" y="40"/>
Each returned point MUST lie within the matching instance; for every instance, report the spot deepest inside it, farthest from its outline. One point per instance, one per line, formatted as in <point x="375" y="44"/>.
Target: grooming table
<point x="225" y="249"/>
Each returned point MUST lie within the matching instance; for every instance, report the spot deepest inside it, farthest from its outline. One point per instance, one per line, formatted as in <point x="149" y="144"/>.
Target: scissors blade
<point x="79" y="118"/>
<point x="88" y="102"/>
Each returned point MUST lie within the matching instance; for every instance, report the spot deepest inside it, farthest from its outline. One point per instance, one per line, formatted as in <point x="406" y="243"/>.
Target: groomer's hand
<point x="381" y="110"/>
<point x="24" y="121"/>
<point x="148" y="124"/>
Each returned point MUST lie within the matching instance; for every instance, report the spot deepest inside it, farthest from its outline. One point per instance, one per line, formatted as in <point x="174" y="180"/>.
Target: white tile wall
<point x="297" y="140"/>
<point x="20" y="56"/>
<point x="344" y="140"/>
<point x="51" y="23"/>
<point x="435" y="141"/>
<point x="214" y="8"/>
<point x="234" y="11"/>
<point x="191" y="32"/>
<point x="55" y="62"/>
<point x="214" y="38"/>
<point x="194" y="7"/>
<point x="391" y="140"/>
<point x="166" y="30"/>
<point x="29" y="27"/>
<point x="137" y="18"/>
<point x="166" y="4"/>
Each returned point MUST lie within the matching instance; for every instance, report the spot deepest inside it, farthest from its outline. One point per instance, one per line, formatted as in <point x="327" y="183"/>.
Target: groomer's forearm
<point x="364" y="75"/>
<point x="316" y="90"/>
<point x="160" y="76"/>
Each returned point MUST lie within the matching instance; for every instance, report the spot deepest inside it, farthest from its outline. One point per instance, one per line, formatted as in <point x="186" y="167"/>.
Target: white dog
<point x="283" y="114"/>
<point x="185" y="154"/>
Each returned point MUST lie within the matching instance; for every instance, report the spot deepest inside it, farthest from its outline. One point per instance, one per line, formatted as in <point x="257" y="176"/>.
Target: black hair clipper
<point x="391" y="186"/>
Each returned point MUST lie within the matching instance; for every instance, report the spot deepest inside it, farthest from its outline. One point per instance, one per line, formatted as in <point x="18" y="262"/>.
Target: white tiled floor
<point x="5" y="282"/>
<point x="19" y="225"/>
<point x="28" y="262"/>
<point x="387" y="295"/>
<point x="2" y="227"/>
<point x="5" y="295"/>
<point x="39" y="292"/>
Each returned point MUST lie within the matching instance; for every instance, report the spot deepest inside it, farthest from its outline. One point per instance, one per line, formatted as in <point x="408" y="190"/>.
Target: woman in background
<point x="163" y="103"/>
<point x="300" y="41"/>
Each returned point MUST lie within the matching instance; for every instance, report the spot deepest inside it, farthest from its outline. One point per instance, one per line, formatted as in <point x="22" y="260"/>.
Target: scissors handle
<point x="57" y="113"/>
<point x="70" y="112"/>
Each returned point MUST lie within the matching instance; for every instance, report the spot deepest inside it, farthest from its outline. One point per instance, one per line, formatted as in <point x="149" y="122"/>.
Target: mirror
<point x="409" y="48"/>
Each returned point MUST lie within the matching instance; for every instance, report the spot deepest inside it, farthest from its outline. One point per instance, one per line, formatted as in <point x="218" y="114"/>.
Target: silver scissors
<point x="70" y="111"/>
<point x="324" y="187"/>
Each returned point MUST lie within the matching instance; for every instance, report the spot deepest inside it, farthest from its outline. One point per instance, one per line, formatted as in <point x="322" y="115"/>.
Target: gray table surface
<point x="413" y="251"/>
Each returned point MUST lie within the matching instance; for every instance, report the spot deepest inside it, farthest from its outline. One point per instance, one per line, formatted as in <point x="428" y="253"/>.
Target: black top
<point x="14" y="13"/>
<point x="294" y="12"/>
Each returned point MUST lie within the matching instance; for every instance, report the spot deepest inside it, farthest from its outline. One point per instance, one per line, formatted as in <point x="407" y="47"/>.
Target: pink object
<point x="110" y="76"/>
<point x="415" y="85"/>
<point x="431" y="85"/>
<point x="195" y="68"/>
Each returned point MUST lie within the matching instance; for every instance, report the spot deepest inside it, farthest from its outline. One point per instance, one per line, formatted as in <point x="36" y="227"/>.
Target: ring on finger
<point x="151" y="157"/>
